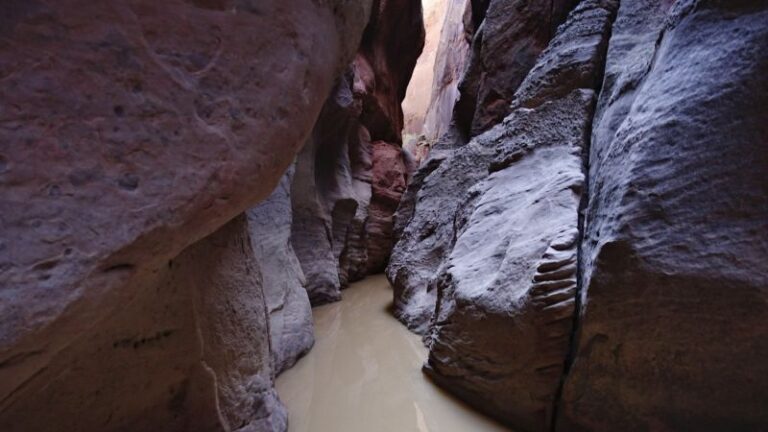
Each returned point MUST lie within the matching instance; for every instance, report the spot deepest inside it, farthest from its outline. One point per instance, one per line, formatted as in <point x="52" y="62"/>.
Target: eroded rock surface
<point x="193" y="342"/>
<point x="623" y="329"/>
<point x="675" y="257"/>
<point x="507" y="291"/>
<point x="390" y="177"/>
<point x="509" y="37"/>
<point x="128" y="135"/>
<point x="322" y="195"/>
<point x="290" y="315"/>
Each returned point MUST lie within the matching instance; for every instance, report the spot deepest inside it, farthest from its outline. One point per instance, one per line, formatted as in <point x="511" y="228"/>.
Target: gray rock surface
<point x="507" y="291"/>
<point x="190" y="351"/>
<point x="675" y="254"/>
<point x="426" y="240"/>
<point x="290" y="314"/>
<point x="505" y="46"/>
<point x="353" y="263"/>
<point x="322" y="195"/>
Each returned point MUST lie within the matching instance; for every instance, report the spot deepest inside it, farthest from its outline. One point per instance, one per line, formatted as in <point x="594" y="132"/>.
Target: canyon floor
<point x="364" y="374"/>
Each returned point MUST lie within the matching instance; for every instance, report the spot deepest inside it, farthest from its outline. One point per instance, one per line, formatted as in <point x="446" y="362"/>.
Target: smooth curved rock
<point x="452" y="56"/>
<point x="128" y="135"/>
<point x="283" y="281"/>
<point x="675" y="258"/>
<point x="346" y="189"/>
<point x="321" y="194"/>
<point x="190" y="351"/>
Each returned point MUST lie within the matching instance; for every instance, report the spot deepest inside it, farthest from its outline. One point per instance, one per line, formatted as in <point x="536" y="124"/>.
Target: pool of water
<point x="364" y="374"/>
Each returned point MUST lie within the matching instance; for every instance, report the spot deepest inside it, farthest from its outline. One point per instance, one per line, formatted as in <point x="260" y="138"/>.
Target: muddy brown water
<point x="364" y="374"/>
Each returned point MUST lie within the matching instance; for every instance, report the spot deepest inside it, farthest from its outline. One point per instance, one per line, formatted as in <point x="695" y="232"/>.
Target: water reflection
<point x="364" y="374"/>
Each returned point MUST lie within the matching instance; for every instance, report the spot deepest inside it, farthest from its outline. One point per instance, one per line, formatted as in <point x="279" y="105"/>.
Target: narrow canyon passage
<point x="364" y="374"/>
<point x="372" y="215"/>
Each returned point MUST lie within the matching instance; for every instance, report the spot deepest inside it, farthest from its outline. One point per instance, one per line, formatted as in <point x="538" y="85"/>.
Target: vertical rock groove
<point x="575" y="327"/>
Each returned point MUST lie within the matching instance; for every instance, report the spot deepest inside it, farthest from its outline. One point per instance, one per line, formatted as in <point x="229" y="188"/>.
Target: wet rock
<point x="129" y="135"/>
<point x="675" y="263"/>
<point x="283" y="281"/>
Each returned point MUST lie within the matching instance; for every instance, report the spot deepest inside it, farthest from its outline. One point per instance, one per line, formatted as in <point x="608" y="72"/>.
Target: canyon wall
<point x="141" y="287"/>
<point x="351" y="173"/>
<point x="596" y="260"/>
<point x="452" y="55"/>
<point x="132" y="132"/>
<point x="417" y="98"/>
<point x="426" y="237"/>
<point x="672" y="332"/>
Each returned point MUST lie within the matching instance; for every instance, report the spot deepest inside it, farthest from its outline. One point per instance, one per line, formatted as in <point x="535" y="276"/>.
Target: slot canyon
<point x="384" y="215"/>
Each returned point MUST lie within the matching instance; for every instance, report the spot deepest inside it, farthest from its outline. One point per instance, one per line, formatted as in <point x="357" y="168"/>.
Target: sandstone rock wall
<point x="131" y="131"/>
<point x="509" y="36"/>
<point x="450" y="62"/>
<point x="504" y="49"/>
<point x="390" y="177"/>
<point x="417" y="98"/>
<point x="189" y="351"/>
<point x="581" y="265"/>
<point x="506" y="292"/>
<point x="675" y="253"/>
<point x="351" y="174"/>
<point x="322" y="194"/>
<point x="290" y="316"/>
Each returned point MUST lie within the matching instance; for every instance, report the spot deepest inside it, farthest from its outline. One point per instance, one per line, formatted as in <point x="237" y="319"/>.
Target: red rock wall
<point x="346" y="189"/>
<point x="390" y="177"/>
